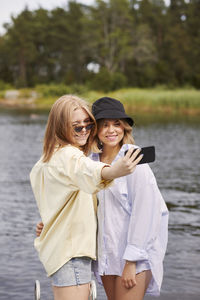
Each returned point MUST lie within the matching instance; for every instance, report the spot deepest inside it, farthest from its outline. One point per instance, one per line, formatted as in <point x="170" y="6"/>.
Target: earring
<point x="100" y="144"/>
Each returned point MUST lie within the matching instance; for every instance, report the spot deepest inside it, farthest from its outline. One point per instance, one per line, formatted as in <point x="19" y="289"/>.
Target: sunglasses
<point x="80" y="128"/>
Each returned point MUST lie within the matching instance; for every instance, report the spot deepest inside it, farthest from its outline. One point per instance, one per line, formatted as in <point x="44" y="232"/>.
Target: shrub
<point x="5" y="86"/>
<point x="57" y="90"/>
<point x="106" y="81"/>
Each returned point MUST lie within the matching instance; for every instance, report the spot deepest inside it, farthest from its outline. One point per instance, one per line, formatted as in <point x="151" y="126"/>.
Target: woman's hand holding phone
<point x="123" y="166"/>
<point x="148" y="154"/>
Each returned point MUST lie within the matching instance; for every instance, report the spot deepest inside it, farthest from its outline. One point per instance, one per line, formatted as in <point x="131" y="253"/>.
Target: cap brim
<point x="113" y="114"/>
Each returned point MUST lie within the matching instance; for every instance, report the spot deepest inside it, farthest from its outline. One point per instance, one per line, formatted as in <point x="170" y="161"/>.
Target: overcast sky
<point x="14" y="7"/>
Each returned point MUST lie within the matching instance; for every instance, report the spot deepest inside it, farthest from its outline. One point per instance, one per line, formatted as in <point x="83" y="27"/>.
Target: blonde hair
<point x="127" y="139"/>
<point x="59" y="128"/>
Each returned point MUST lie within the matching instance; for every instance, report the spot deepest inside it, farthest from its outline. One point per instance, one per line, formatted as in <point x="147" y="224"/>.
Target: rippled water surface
<point x="177" y="169"/>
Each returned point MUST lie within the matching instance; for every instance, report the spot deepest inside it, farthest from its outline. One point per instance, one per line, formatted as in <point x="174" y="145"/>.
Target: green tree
<point x="135" y="42"/>
<point x="110" y="34"/>
<point x="5" y="70"/>
<point x="141" y="69"/>
<point x="151" y="27"/>
<point x="193" y="32"/>
<point x="19" y="42"/>
<point x="177" y="46"/>
<point x="42" y="67"/>
<point x="68" y="43"/>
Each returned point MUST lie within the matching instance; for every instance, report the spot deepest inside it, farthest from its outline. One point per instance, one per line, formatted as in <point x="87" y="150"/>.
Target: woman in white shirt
<point x="64" y="181"/>
<point x="132" y="215"/>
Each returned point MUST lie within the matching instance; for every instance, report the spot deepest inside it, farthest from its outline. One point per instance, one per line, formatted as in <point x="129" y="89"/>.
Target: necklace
<point x="107" y="159"/>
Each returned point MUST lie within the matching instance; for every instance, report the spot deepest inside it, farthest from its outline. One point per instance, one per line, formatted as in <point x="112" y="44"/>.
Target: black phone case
<point x="148" y="152"/>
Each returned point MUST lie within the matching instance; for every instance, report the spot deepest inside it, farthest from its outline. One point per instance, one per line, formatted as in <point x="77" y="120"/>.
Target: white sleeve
<point x="146" y="213"/>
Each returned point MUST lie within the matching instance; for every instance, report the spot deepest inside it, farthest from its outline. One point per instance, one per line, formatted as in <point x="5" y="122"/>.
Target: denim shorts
<point x="76" y="271"/>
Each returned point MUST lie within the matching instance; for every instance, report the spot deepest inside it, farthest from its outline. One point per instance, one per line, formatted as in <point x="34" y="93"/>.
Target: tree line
<point x="107" y="45"/>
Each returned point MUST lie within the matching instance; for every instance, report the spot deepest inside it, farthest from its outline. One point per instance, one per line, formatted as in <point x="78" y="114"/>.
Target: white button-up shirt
<point x="132" y="224"/>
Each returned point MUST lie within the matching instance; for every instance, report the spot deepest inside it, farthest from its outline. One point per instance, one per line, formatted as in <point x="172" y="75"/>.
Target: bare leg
<point x="137" y="292"/>
<point x="78" y="292"/>
<point x="109" y="285"/>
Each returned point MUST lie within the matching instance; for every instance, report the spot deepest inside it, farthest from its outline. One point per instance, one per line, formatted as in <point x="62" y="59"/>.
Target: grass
<point x="178" y="101"/>
<point x="153" y="100"/>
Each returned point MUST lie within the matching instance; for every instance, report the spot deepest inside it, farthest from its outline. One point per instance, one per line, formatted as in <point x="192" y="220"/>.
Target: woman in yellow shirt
<point x="64" y="182"/>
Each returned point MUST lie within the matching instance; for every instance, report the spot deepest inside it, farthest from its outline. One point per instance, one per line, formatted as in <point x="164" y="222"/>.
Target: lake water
<point x="177" y="169"/>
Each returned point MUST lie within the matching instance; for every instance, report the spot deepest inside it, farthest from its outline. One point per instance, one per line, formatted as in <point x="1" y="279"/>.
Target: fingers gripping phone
<point x="148" y="154"/>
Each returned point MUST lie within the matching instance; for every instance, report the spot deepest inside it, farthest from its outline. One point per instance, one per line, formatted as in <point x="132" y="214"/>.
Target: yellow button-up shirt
<point x="64" y="189"/>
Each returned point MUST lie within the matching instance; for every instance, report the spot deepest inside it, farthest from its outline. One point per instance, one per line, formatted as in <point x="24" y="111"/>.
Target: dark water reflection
<point x="177" y="169"/>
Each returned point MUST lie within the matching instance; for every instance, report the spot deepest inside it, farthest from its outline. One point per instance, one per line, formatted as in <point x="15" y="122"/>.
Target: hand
<point x="126" y="164"/>
<point x="123" y="166"/>
<point x="39" y="228"/>
<point x="128" y="275"/>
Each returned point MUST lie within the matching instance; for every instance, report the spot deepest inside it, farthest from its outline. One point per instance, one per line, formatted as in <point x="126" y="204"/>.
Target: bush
<point x="118" y="80"/>
<point x="5" y="86"/>
<point x="52" y="90"/>
<point x="78" y="89"/>
<point x="106" y="81"/>
<point x="57" y="90"/>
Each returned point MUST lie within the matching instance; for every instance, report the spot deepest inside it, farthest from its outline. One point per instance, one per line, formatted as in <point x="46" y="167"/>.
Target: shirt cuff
<point x="105" y="183"/>
<point x="133" y="253"/>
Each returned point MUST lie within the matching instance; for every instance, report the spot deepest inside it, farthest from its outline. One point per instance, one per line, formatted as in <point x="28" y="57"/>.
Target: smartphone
<point x="148" y="154"/>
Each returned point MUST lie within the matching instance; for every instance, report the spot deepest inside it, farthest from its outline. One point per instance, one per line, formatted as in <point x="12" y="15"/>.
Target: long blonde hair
<point x="59" y="128"/>
<point x="127" y="139"/>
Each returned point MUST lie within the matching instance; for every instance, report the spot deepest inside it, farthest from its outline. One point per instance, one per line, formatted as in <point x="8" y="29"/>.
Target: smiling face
<point x="80" y="118"/>
<point x="111" y="132"/>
